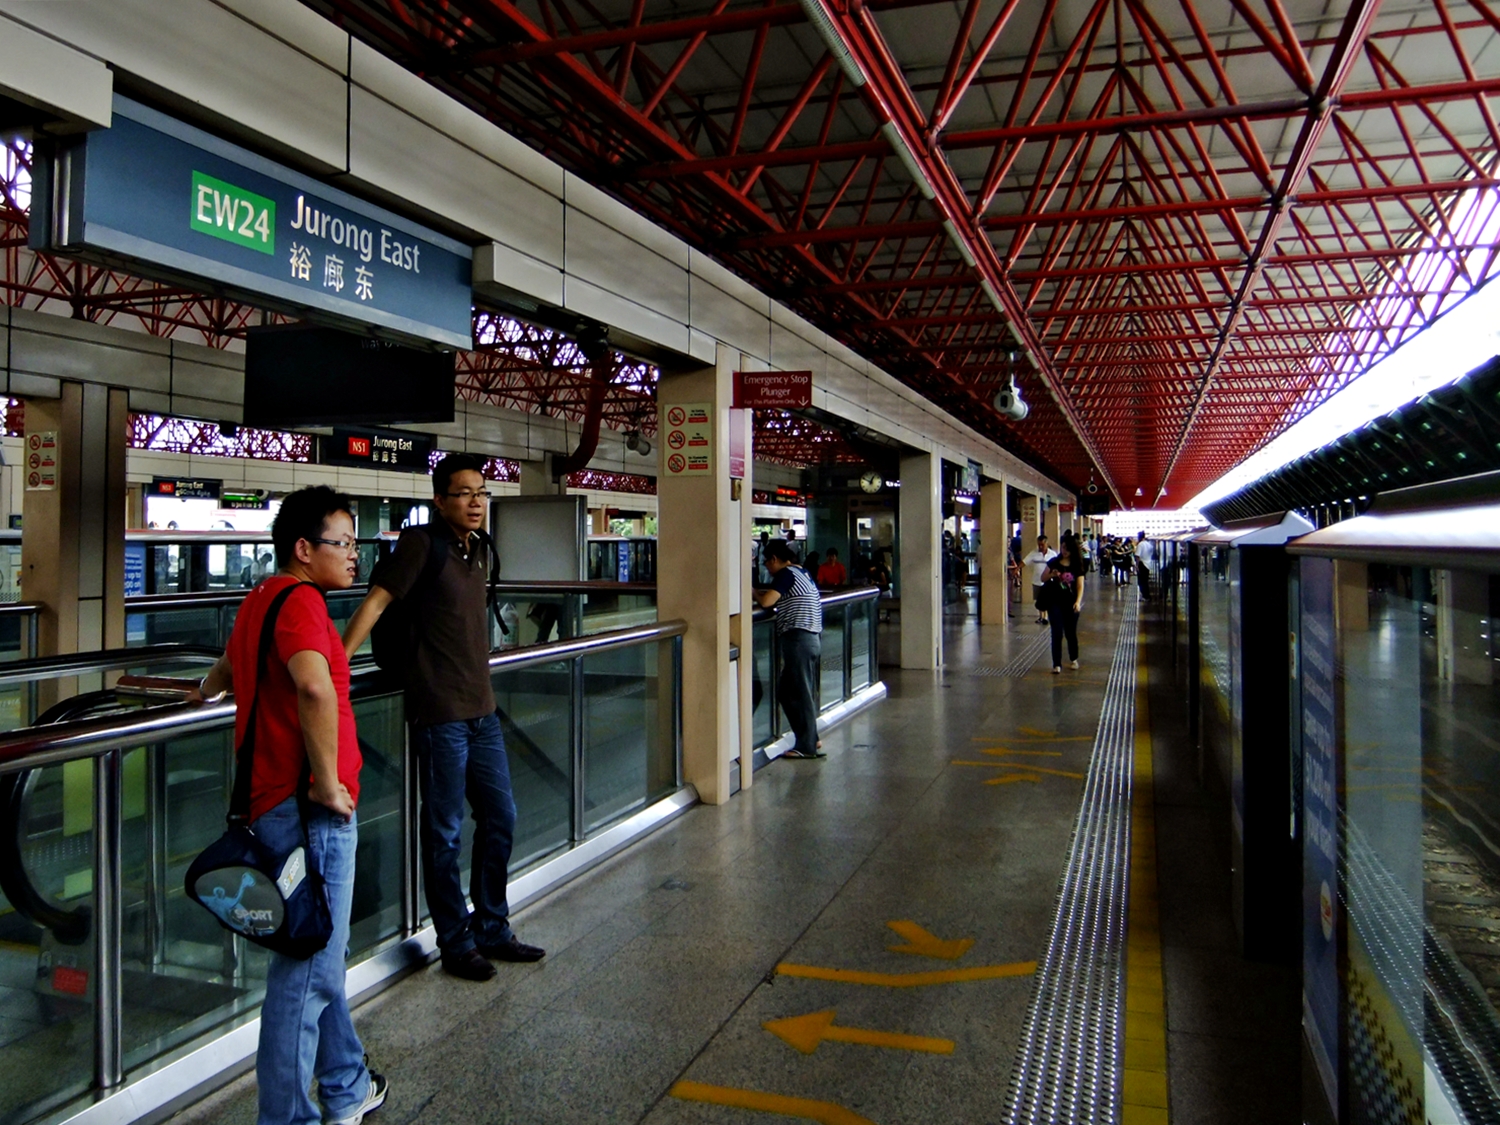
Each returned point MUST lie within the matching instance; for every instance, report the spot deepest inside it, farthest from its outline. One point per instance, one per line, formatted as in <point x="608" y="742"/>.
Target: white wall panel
<point x="501" y="272"/>
<point x="398" y="86"/>
<point x="92" y="353"/>
<point x="294" y="24"/>
<point x="584" y="197"/>
<point x="612" y="309"/>
<point x="395" y="153"/>
<point x="727" y="318"/>
<point x="790" y="351"/>
<point x="40" y="71"/>
<point x="203" y="53"/>
<point x="612" y="260"/>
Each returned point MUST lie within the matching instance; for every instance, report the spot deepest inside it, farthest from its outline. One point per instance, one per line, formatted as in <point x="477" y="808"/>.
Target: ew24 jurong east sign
<point x="687" y="435"/>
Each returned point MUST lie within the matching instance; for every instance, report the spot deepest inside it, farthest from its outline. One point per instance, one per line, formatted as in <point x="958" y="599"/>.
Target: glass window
<point x="1421" y="841"/>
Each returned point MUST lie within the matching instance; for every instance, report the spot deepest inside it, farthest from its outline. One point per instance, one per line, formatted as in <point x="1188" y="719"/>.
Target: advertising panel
<point x="1316" y="656"/>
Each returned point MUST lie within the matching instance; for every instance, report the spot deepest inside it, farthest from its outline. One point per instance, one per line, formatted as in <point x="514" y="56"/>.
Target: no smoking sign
<point x="690" y="436"/>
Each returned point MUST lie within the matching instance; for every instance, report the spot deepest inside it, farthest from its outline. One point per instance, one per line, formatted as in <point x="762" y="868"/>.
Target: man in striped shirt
<point x="799" y="628"/>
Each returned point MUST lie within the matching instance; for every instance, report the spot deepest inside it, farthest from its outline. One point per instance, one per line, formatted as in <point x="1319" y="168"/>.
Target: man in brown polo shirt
<point x="454" y="727"/>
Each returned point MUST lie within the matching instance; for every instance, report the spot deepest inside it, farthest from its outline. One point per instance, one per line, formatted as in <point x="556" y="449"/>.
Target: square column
<point x="701" y="545"/>
<point x="1052" y="526"/>
<point x="994" y="554"/>
<point x="73" y="547"/>
<point x="921" y="561"/>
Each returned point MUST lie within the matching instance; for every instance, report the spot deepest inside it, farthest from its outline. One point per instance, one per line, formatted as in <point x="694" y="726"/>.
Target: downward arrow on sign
<point x="806" y="1032"/>
<point x="920" y="943"/>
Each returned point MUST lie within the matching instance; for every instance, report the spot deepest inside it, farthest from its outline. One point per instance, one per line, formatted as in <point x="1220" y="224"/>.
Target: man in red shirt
<point x="832" y="573"/>
<point x="304" y="722"/>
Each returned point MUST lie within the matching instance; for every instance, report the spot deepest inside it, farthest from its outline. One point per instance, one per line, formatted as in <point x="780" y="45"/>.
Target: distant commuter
<point x="304" y="723"/>
<point x="1037" y="561"/>
<point x="832" y="574"/>
<point x="799" y="628"/>
<point x="1145" y="563"/>
<point x="454" y="725"/>
<point x="1062" y="594"/>
<point x="791" y="544"/>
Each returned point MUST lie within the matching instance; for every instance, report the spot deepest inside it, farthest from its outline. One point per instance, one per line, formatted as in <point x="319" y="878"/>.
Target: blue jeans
<point x="797" y="690"/>
<point x="305" y="1028"/>
<point x="466" y="758"/>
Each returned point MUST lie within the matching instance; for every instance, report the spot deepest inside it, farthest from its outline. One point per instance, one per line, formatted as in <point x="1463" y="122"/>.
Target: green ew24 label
<point x="224" y="211"/>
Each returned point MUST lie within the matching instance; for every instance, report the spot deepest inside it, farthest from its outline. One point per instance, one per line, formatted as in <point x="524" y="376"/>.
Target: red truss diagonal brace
<point x="1351" y="40"/>
<point x="856" y="41"/>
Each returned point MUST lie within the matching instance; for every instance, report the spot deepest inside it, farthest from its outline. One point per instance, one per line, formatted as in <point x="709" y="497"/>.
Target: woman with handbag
<point x="296" y="789"/>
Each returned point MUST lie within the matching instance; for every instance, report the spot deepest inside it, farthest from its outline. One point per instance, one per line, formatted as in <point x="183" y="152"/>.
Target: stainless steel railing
<point x="107" y="742"/>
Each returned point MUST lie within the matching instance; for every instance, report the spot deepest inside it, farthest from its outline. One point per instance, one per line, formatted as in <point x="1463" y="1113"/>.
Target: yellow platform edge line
<point x="1145" y="1098"/>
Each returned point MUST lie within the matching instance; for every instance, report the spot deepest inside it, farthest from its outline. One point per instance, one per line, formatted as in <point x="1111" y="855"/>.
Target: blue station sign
<point x="175" y="201"/>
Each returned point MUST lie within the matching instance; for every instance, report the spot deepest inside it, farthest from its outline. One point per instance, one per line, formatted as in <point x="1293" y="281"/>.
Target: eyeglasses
<point x="467" y="494"/>
<point x="345" y="545"/>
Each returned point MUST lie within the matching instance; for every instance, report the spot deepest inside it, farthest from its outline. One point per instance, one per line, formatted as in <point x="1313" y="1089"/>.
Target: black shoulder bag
<point x="277" y="901"/>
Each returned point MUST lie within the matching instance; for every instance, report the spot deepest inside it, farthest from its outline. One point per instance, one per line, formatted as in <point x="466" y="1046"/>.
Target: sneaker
<point x="1057" y="671"/>
<point x="374" y="1099"/>
<point x="468" y="965"/>
<point x="1074" y="665"/>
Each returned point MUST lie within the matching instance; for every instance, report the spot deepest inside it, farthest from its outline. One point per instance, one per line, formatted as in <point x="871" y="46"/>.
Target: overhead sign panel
<point x="185" y="488"/>
<point x="174" y="201"/>
<point x="378" y="449"/>
<point x="763" y="390"/>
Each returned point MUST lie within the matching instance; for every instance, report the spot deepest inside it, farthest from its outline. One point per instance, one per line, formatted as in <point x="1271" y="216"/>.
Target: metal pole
<point x="848" y="612"/>
<point x="576" y="729"/>
<point x="107" y="812"/>
<point x="677" y="699"/>
<point x="411" y="909"/>
<point x="156" y="853"/>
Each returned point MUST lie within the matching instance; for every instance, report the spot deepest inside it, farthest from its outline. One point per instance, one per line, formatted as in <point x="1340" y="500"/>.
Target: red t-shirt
<point x="832" y="574"/>
<point x="303" y="625"/>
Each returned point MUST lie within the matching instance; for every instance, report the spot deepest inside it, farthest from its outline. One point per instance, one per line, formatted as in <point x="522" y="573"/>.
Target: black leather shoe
<point x="512" y="950"/>
<point x="468" y="965"/>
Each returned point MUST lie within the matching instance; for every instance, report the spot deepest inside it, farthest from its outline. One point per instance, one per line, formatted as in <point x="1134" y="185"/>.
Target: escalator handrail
<point x="19" y="609"/>
<point x="105" y="660"/>
<point x="213" y="599"/>
<point x="32" y="747"/>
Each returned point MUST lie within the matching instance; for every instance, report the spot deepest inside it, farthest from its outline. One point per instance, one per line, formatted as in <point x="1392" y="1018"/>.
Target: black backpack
<point x="393" y="639"/>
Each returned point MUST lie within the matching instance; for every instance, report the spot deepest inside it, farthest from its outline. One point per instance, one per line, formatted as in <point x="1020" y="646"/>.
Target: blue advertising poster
<point x="1317" y="663"/>
<point x="135" y="586"/>
<point x="156" y="191"/>
<point x="624" y="561"/>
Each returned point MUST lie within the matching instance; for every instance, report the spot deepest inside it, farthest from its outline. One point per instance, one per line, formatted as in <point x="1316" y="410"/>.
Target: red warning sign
<point x="690" y="427"/>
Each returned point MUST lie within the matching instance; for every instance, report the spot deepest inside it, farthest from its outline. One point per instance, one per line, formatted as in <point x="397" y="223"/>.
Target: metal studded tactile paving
<point x="1068" y="1066"/>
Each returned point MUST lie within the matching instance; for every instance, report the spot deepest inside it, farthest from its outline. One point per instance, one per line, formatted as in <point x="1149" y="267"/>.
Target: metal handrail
<point x="106" y="660"/>
<point x="87" y="738"/>
<point x="841" y="597"/>
<point x="19" y="609"/>
<point x="216" y="600"/>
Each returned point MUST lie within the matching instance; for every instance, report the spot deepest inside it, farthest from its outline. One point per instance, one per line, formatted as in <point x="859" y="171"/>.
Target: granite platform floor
<point x="947" y="809"/>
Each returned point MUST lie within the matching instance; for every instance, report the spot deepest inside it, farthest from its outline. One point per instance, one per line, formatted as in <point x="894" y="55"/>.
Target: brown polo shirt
<point x="449" y="676"/>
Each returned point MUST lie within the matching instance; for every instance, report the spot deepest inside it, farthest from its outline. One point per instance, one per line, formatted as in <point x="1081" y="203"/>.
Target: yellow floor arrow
<point x="920" y="943"/>
<point x="907" y="980"/>
<point x="826" y="1113"/>
<point x="1000" y="751"/>
<point x="1012" y="779"/>
<point x="1027" y="766"/>
<point x="806" y="1032"/>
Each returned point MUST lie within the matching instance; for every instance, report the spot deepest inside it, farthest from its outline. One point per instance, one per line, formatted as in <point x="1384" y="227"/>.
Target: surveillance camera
<point x="636" y="442"/>
<point x="643" y="447"/>
<point x="1010" y="404"/>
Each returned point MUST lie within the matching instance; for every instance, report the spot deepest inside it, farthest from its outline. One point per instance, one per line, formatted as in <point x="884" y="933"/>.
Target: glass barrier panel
<point x="629" y="751"/>
<point x="831" y="673"/>
<point x="1213" y="627"/>
<point x="46" y="972"/>
<point x="765" y="722"/>
<point x="164" y="625"/>
<point x="376" y="915"/>
<point x="606" y="611"/>
<point x="534" y="620"/>
<point x="861" y="633"/>
<point x="535" y="714"/>
<point x="10" y="572"/>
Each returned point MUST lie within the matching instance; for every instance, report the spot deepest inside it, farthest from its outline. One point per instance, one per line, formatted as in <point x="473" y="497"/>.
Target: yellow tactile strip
<point x="1144" y="1099"/>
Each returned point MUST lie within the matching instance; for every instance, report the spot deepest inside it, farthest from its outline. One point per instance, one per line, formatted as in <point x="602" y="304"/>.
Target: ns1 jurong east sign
<point x="169" y="200"/>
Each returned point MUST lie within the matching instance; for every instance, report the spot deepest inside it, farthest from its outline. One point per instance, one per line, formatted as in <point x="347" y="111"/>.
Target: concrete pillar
<point x="921" y="561"/>
<point x="536" y="477"/>
<point x="701" y="544"/>
<point x="1052" y="526"/>
<point x="73" y="549"/>
<point x="1031" y="519"/>
<point x="742" y="428"/>
<point x="994" y="554"/>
